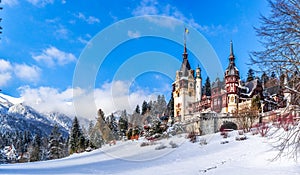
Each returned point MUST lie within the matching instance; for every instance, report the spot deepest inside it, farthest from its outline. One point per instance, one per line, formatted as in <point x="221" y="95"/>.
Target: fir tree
<point x="250" y="75"/>
<point x="170" y="109"/>
<point x="144" y="107"/>
<point x="273" y="75"/>
<point x="123" y="123"/>
<point x="35" y="154"/>
<point x="56" y="145"/>
<point x="3" y="158"/>
<point x="207" y="87"/>
<point x="113" y="125"/>
<point x="75" y="137"/>
<point x="137" y="109"/>
<point x="264" y="77"/>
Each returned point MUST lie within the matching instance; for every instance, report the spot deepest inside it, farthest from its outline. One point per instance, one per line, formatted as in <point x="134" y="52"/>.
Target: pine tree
<point x="113" y="125"/>
<point x="170" y="109"/>
<point x="207" y="87"/>
<point x="163" y="104"/>
<point x="250" y="75"/>
<point x="123" y="123"/>
<point x="144" y="107"/>
<point x="56" y="145"/>
<point x="35" y="154"/>
<point x="137" y="109"/>
<point x="75" y="137"/>
<point x="273" y="75"/>
<point x="3" y="158"/>
<point x="264" y="77"/>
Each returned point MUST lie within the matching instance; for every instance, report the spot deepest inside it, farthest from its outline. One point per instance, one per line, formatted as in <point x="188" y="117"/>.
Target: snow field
<point x="248" y="157"/>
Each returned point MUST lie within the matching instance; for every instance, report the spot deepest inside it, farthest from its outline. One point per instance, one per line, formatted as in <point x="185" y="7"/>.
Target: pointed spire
<point x="231" y="56"/>
<point x="186" y="31"/>
<point x="185" y="55"/>
<point x="185" y="66"/>
<point x="231" y="48"/>
<point x="184" y="49"/>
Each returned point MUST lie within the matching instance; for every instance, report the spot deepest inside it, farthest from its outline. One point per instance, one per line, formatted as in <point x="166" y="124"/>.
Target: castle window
<point x="190" y="94"/>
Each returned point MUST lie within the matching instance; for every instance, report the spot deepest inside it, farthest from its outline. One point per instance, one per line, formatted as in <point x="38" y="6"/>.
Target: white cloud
<point x="5" y="72"/>
<point x="53" y="56"/>
<point x="89" y="19"/>
<point x="153" y="7"/>
<point x="109" y="97"/>
<point x="4" y="78"/>
<point x="27" y="73"/>
<point x="22" y="71"/>
<point x="5" y="65"/>
<point x="10" y="2"/>
<point x="61" y="32"/>
<point x="40" y="3"/>
<point x="47" y="99"/>
<point x="84" y="39"/>
<point x="134" y="34"/>
<point x="147" y="7"/>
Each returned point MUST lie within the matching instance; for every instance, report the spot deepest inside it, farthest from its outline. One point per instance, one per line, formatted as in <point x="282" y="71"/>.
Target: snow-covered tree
<point x="123" y="123"/>
<point x="280" y="37"/>
<point x="3" y="157"/>
<point x="113" y="125"/>
<point x="56" y="145"/>
<point x="35" y="154"/>
<point x="75" y="141"/>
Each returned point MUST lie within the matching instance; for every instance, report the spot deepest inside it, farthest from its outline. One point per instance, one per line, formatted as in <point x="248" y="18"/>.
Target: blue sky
<point x="43" y="40"/>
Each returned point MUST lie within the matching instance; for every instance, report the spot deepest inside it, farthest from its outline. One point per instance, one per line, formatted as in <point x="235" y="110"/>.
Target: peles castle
<point x="227" y="97"/>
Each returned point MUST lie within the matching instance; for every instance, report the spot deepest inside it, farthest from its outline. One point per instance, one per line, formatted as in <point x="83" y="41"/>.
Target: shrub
<point x="173" y="145"/>
<point x="160" y="147"/>
<point x="203" y="141"/>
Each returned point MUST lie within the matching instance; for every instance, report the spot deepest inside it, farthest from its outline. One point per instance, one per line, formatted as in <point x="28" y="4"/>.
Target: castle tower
<point x="232" y="78"/>
<point x="184" y="89"/>
<point x="198" y="84"/>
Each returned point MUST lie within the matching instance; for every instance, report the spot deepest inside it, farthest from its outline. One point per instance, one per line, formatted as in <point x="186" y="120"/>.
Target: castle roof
<point x="185" y="65"/>
<point x="231" y="69"/>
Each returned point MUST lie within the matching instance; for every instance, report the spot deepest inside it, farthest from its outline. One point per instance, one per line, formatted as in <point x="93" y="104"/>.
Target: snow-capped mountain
<point x="15" y="116"/>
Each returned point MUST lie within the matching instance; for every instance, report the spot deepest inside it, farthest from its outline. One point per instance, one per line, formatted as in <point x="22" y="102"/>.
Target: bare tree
<point x="279" y="35"/>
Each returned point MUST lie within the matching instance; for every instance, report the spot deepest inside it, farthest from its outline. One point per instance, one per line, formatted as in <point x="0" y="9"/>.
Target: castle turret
<point x="184" y="89"/>
<point x="198" y="84"/>
<point x="232" y="78"/>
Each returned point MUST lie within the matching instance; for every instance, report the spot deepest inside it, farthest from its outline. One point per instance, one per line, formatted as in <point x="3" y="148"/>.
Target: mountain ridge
<point x="15" y="116"/>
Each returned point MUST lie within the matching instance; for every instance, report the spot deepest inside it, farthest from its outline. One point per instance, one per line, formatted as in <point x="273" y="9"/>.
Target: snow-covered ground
<point x="249" y="157"/>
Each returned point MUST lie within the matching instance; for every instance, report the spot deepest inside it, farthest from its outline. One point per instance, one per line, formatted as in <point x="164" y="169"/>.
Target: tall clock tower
<point x="184" y="90"/>
<point x="232" y="78"/>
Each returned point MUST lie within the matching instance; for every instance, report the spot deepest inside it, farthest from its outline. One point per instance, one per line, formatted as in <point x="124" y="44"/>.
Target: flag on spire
<point x="186" y="30"/>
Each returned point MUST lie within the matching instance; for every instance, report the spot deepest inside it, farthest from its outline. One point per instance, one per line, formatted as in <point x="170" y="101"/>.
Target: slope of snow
<point x="8" y="99"/>
<point x="248" y="157"/>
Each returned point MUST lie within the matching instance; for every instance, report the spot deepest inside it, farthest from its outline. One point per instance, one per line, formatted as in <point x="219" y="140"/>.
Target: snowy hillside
<point x="15" y="117"/>
<point x="248" y="157"/>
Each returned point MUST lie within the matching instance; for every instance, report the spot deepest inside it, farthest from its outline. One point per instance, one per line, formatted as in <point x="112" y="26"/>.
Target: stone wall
<point x="210" y="122"/>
